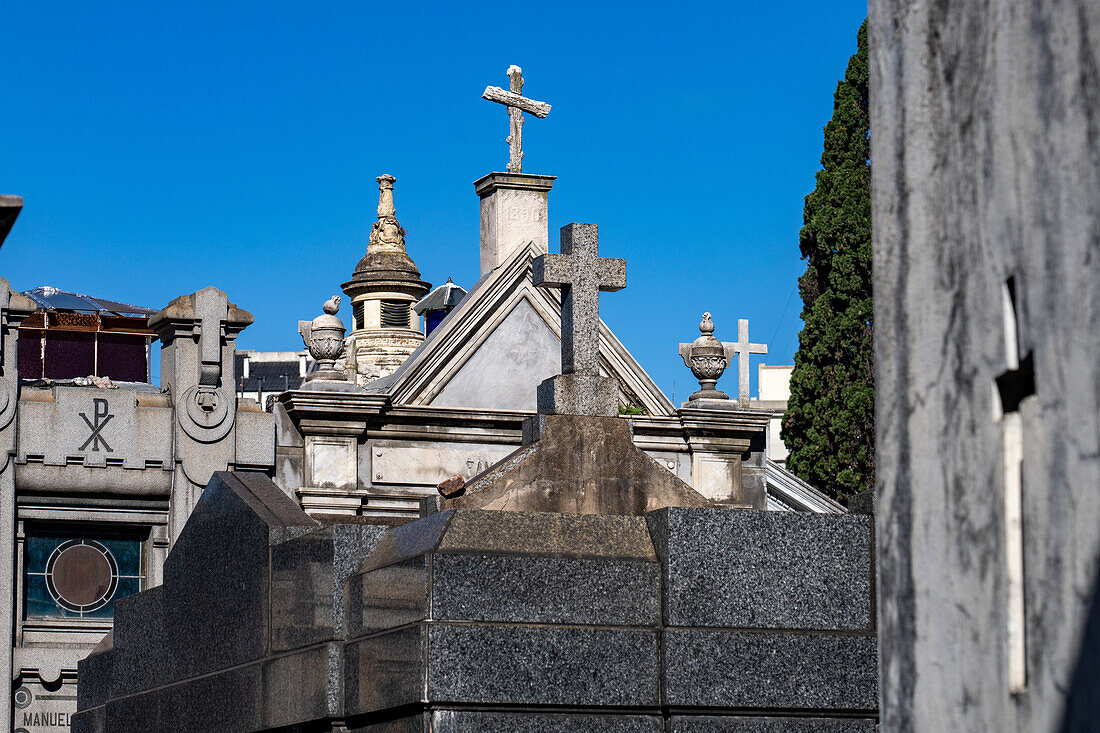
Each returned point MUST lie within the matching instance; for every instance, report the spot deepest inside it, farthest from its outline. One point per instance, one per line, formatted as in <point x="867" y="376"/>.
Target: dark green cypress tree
<point x="829" y="426"/>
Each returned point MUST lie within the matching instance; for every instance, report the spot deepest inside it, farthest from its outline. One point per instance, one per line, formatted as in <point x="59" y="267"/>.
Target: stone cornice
<point x="316" y="412"/>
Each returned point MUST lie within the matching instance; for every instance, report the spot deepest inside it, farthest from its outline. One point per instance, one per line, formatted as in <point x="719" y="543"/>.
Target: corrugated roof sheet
<point x="55" y="299"/>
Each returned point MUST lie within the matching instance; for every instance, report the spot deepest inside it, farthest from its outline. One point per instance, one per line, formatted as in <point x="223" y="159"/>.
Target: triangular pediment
<point x="504" y="369"/>
<point x="502" y="340"/>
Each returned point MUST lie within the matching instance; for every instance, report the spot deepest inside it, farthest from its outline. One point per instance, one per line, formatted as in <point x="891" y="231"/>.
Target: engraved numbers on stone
<point x="523" y="215"/>
<point x="100" y="417"/>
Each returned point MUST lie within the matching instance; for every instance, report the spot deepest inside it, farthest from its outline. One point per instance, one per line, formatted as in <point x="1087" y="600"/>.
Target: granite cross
<point x="517" y="104"/>
<point x="581" y="274"/>
<point x="743" y="349"/>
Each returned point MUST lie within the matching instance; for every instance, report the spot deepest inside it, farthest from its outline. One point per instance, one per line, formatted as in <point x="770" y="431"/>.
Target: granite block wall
<point x="686" y="619"/>
<point x="731" y="613"/>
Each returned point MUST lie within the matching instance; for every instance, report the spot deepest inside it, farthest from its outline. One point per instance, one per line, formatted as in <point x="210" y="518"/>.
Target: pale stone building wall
<point x="96" y="480"/>
<point x="774" y="389"/>
<point x="987" y="338"/>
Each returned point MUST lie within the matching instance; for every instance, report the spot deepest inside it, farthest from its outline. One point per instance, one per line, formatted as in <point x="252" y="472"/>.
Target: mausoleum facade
<point x="97" y="477"/>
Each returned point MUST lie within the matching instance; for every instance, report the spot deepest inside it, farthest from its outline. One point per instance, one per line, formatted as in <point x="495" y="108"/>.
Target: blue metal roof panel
<point x="55" y="299"/>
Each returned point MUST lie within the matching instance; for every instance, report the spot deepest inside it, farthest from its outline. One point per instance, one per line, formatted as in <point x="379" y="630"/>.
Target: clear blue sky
<point x="161" y="148"/>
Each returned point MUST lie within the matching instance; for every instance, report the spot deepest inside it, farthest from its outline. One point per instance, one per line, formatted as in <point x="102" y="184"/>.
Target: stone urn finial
<point x="324" y="337"/>
<point x="707" y="357"/>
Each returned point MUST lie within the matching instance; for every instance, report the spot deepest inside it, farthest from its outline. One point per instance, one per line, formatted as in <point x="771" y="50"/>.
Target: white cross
<point x="743" y="349"/>
<point x="517" y="104"/>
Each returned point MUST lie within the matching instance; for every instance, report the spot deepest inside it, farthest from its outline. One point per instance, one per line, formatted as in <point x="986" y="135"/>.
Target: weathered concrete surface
<point x="986" y="167"/>
<point x="577" y="465"/>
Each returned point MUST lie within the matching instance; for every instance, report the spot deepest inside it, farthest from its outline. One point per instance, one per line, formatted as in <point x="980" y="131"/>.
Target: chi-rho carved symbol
<point x="100" y="418"/>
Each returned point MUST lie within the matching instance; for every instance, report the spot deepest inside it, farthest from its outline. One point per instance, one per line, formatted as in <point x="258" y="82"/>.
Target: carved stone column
<point x="514" y="211"/>
<point x="197" y="334"/>
<point x="13" y="309"/>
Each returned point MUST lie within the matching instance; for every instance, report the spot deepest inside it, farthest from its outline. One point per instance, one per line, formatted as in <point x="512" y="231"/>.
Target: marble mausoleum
<point x="576" y="584"/>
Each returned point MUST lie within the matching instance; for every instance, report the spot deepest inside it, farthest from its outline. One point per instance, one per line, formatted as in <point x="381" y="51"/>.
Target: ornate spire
<point x="387" y="232"/>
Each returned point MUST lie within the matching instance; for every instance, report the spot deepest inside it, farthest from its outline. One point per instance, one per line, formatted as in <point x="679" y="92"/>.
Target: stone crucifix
<point x="581" y="274"/>
<point x="743" y="349"/>
<point x="517" y="104"/>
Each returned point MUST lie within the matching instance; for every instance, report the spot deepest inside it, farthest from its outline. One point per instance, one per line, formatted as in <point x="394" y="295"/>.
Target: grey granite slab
<point x="94" y="672"/>
<point x="140" y="657"/>
<point x="408" y="541"/>
<point x="745" y="724"/>
<point x="529" y="665"/>
<point x="387" y="597"/>
<point x="517" y="665"/>
<point x="93" y="720"/>
<point x="515" y="533"/>
<point x="219" y="564"/>
<point x="779" y="670"/>
<point x="296" y="687"/>
<point x="545" y="590"/>
<point x="756" y="569"/>
<point x="227" y="701"/>
<point x="304" y="608"/>
<point x="459" y="721"/>
<point x="471" y="721"/>
<point x="547" y="533"/>
<point x="384" y="671"/>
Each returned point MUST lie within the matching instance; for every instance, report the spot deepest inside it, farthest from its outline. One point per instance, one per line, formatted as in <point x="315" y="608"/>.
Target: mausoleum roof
<point x="386" y="265"/>
<point x="445" y="297"/>
<point x="55" y="299"/>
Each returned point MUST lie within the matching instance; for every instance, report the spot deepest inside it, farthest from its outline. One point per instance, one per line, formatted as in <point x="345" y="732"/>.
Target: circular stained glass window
<point x="81" y="575"/>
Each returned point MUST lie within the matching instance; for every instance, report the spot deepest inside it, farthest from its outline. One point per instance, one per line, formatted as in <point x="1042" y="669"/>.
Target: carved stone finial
<point x="324" y="337"/>
<point x="706" y="326"/>
<point x="385" y="195"/>
<point x="387" y="232"/>
<point x="707" y="357"/>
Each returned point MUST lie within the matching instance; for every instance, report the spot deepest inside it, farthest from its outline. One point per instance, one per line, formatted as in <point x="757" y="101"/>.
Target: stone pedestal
<point x="513" y="213"/>
<point x="331" y="467"/>
<point x="578" y="394"/>
<point x="727" y="465"/>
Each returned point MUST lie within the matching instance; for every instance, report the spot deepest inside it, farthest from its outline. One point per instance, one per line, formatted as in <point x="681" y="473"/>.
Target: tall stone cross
<point x="517" y="104"/>
<point x="581" y="274"/>
<point x="743" y="349"/>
